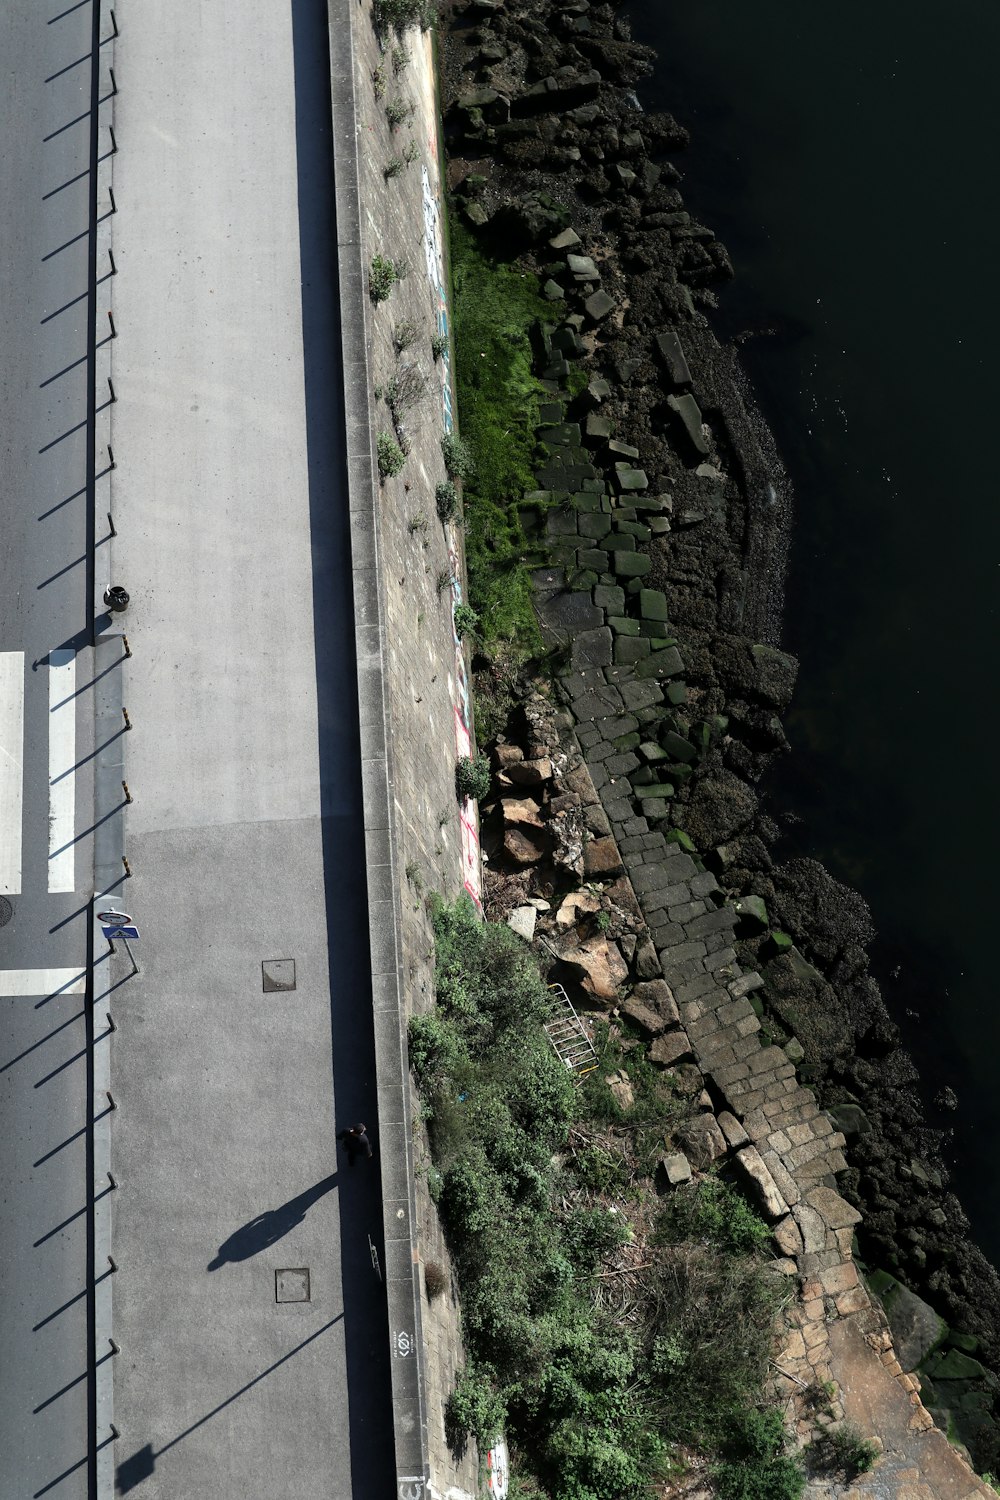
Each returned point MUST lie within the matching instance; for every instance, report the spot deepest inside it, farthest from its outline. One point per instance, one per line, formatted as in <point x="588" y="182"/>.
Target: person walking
<point x="356" y="1143"/>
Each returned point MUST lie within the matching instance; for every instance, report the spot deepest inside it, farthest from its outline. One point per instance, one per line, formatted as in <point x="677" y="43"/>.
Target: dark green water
<point x="846" y="156"/>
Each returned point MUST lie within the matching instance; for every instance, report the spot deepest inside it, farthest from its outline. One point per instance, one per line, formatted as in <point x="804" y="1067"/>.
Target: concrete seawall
<point x="413" y="689"/>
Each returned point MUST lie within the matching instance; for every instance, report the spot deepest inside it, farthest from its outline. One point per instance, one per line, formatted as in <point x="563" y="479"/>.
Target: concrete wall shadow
<point x="366" y="1321"/>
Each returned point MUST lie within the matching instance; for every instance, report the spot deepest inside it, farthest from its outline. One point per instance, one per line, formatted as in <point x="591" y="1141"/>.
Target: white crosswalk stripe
<point x="11" y="769"/>
<point x="62" y="776"/>
<point x="42" y="982"/>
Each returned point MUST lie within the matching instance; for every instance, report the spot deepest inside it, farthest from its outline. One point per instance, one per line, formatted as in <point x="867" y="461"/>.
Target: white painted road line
<point x="62" y="777"/>
<point x="11" y="774"/>
<point x="42" y="982"/>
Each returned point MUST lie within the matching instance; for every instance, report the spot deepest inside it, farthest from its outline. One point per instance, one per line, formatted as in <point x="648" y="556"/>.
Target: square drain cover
<point x="292" y="1286"/>
<point x="279" y="974"/>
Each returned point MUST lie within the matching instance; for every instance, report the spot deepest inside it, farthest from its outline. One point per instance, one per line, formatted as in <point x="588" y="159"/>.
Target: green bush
<point x="472" y="777"/>
<point x="391" y="457"/>
<point x="392" y="168"/>
<point x="446" y="499"/>
<point x="844" y="1450"/>
<point x="754" y="1466"/>
<point x="466" y="621"/>
<point x="497" y="309"/>
<point x="457" y="454"/>
<point x="715" y="1211"/>
<point x="473" y="1409"/>
<point x="439" y="345"/>
<point x="396" y="15"/>
<point x="398" y="110"/>
<point x="403" y="335"/>
<point x="382" y="277"/>
<point x="588" y="1401"/>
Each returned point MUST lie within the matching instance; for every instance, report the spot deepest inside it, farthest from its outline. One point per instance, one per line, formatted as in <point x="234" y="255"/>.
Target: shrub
<point x="720" y="1311"/>
<point x="434" y="1048"/>
<point x="405" y="389"/>
<point x="754" y="1466"/>
<point x="497" y="308"/>
<point x="435" y="1279"/>
<point x="382" y="277"/>
<point x="411" y="153"/>
<point x="472" y="777"/>
<point x="716" y="1212"/>
<point x="398" y="111"/>
<point x="446" y="498"/>
<point x="403" y="335"/>
<point x="396" y="15"/>
<point x="400" y="59"/>
<point x="391" y="457"/>
<point x="458" y="460"/>
<point x="844" y="1450"/>
<point x="466" y="621"/>
<point x="439" y="345"/>
<point x="378" y="83"/>
<point x="473" y="1410"/>
<point x="392" y="168"/>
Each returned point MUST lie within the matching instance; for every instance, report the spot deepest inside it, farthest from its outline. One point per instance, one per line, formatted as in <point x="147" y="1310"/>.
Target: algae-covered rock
<point x="916" y="1327"/>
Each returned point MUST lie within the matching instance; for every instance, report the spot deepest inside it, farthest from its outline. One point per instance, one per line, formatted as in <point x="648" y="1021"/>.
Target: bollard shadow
<point x="270" y="1227"/>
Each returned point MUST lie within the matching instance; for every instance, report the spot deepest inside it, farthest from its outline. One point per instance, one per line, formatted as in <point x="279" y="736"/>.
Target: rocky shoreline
<point x="549" y="156"/>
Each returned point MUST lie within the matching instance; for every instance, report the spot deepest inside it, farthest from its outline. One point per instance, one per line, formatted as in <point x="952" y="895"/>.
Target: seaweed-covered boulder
<point x="722" y="805"/>
<point x="806" y="1005"/>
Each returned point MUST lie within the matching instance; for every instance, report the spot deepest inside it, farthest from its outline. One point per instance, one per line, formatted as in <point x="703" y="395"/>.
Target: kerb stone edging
<point x="384" y="916"/>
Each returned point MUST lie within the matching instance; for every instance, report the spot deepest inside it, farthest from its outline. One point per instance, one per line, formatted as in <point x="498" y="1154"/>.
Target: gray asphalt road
<point x="46" y="801"/>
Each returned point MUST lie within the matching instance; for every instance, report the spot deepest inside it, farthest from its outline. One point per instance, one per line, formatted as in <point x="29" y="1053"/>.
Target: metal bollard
<point x="128" y="723"/>
<point x="128" y="794"/>
<point x="128" y="867"/>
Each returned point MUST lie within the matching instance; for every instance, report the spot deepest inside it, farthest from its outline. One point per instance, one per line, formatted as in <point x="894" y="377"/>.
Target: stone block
<point x="669" y="1048"/>
<point x="672" y="1170"/>
<point x="733" y="1131"/>
<point x="689" y="412"/>
<point x="721" y="919"/>
<point x="598" y="305"/>
<point x="839" y="1279"/>
<point x="836" y="1212"/>
<point x="631" y="564"/>
<point x="601" y="859"/>
<point x="671" y="353"/>
<point x="628" y="480"/>
<point x="649" y="1021"/>
<point x="630" y="649"/>
<point x="761" y="1183"/>
<point x="787" y="1237"/>
<point x="639" y="695"/>
<point x="703" y="1142"/>
<point x="610" y="598"/>
<point x="664" y="663"/>
<point x="657" y="994"/>
<point x="592" y="648"/>
<point x="594" y="526"/>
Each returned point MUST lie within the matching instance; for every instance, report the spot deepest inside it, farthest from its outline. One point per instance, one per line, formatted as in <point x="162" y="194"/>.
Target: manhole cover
<point x="6" y="911"/>
<point x="292" y="1285"/>
<point x="279" y="974"/>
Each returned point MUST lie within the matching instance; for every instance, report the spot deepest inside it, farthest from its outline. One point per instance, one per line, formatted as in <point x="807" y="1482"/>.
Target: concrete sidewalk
<point x="245" y="837"/>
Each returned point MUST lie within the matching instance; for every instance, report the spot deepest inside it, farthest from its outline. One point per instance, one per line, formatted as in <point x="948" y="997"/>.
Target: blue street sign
<point x="125" y="933"/>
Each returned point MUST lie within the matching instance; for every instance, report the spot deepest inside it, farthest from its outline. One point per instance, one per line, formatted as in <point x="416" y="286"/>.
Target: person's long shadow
<point x="267" y="1228"/>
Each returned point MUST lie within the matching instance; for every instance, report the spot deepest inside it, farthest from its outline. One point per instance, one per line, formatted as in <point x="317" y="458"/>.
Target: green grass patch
<point x="496" y="306"/>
